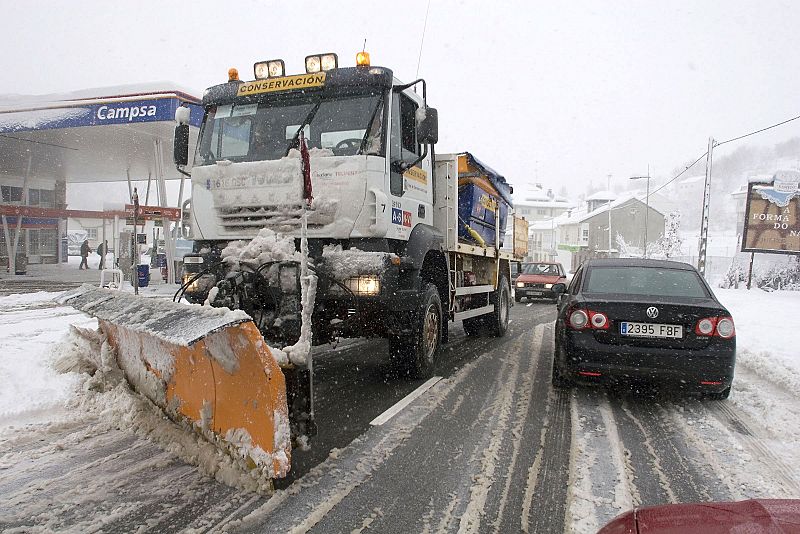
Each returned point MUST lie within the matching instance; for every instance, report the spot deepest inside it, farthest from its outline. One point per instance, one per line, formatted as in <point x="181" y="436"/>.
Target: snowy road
<point x="489" y="448"/>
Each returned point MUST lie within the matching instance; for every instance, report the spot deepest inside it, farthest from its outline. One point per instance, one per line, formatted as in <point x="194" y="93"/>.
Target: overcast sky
<point x="555" y="92"/>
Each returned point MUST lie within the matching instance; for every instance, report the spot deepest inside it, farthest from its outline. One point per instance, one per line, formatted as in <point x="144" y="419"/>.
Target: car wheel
<point x="719" y="395"/>
<point x="517" y="298"/>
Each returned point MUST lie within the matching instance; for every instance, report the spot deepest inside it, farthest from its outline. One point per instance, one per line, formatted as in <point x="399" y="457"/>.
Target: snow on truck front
<point x="246" y="173"/>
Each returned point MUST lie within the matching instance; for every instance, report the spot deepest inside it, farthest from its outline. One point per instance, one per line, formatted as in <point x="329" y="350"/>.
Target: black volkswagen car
<point x="637" y="319"/>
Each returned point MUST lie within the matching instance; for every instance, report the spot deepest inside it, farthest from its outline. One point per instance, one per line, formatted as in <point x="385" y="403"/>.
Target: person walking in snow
<point x="102" y="250"/>
<point x="85" y="250"/>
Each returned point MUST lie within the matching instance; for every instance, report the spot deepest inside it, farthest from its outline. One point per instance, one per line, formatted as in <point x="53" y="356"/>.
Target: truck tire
<point x="418" y="354"/>
<point x="498" y="320"/>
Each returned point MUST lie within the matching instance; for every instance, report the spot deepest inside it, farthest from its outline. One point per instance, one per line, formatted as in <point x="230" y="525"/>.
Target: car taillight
<point x="715" y="326"/>
<point x="725" y="328"/>
<point x="705" y="327"/>
<point x="578" y="319"/>
<point x="581" y="319"/>
<point x="598" y="320"/>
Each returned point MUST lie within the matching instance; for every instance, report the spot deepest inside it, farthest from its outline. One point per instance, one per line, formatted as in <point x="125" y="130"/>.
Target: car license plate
<point x="534" y="293"/>
<point x="651" y="330"/>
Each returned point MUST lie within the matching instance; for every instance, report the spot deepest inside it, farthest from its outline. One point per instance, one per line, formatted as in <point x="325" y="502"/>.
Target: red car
<point x="536" y="280"/>
<point x="753" y="516"/>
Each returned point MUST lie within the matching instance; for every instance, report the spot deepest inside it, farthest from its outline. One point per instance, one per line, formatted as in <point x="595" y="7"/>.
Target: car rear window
<point x="653" y="281"/>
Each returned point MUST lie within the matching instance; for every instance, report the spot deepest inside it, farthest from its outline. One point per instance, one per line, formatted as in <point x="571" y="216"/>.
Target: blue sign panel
<point x="33" y="222"/>
<point x="151" y="110"/>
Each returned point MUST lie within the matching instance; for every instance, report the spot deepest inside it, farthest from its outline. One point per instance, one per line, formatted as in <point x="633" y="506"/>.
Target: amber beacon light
<point x="233" y="75"/>
<point x="362" y="59"/>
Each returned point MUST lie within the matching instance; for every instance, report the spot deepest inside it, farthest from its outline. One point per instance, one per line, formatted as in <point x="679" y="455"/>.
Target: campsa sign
<point x="772" y="217"/>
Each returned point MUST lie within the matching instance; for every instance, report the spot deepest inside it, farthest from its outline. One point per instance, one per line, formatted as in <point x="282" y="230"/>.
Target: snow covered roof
<point x="693" y="179"/>
<point x="602" y="195"/>
<point x="549" y="203"/>
<point x="18" y="102"/>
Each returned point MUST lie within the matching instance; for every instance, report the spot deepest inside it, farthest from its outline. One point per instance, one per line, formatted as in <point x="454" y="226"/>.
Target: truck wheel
<point x="502" y="305"/>
<point x="418" y="354"/>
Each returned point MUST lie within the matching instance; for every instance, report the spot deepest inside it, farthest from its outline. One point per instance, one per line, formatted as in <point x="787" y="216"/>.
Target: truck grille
<point x="248" y="220"/>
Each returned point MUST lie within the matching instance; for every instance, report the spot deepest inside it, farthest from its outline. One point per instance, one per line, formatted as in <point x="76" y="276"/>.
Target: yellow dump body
<point x="207" y="366"/>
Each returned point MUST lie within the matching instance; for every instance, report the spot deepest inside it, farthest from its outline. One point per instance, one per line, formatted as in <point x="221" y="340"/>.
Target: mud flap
<point x="207" y="366"/>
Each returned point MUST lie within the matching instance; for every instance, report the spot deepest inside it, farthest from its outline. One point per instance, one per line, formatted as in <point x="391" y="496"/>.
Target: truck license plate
<point x="651" y="330"/>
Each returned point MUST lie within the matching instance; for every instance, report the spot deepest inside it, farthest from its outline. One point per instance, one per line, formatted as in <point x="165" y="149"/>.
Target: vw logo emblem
<point x="652" y="312"/>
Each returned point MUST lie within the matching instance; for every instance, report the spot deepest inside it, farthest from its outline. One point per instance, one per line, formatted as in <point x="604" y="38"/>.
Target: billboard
<point x="772" y="215"/>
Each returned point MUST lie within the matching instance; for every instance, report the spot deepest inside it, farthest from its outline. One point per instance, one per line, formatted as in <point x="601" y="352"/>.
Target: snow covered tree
<point x="669" y="244"/>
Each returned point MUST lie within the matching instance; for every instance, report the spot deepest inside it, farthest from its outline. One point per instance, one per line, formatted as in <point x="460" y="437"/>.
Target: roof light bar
<point x="321" y="62"/>
<point x="273" y="68"/>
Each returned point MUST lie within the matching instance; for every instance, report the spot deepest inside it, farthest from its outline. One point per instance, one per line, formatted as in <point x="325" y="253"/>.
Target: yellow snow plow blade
<point x="208" y="366"/>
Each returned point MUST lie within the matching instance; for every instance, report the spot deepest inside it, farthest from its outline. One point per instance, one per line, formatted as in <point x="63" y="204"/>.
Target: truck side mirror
<point x="181" y="145"/>
<point x="427" y="125"/>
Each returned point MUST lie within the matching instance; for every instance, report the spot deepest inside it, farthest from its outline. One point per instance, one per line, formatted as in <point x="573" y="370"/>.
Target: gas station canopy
<point x="121" y="133"/>
<point x="95" y="135"/>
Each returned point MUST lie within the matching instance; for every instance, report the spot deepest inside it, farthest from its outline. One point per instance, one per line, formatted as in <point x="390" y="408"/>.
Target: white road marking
<point x="405" y="401"/>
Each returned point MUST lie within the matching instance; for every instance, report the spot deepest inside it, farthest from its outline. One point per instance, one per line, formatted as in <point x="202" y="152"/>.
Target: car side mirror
<point x="181" y="145"/>
<point x="559" y="289"/>
<point x="427" y="126"/>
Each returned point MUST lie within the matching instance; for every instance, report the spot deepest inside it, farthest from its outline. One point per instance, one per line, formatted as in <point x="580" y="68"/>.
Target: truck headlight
<point x="368" y="285"/>
<point x="202" y="284"/>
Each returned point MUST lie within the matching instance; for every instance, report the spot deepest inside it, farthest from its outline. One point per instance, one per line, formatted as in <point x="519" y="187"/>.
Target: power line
<point x="680" y="173"/>
<point x="757" y="131"/>
<point x="722" y="143"/>
<point x="422" y="40"/>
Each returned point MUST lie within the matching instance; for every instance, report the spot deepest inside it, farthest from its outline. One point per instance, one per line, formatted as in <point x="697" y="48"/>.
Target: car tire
<point x="719" y="395"/>
<point x="418" y="354"/>
<point x="498" y="325"/>
<point x="517" y="298"/>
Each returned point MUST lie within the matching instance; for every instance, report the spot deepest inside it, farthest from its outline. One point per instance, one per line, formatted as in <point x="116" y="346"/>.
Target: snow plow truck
<point x="319" y="210"/>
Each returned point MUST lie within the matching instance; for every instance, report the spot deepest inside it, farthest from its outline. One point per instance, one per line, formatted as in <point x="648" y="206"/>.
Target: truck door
<point x="411" y="192"/>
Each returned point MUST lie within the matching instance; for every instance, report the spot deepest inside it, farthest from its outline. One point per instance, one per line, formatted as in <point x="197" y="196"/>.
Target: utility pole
<point x="647" y="205"/>
<point x="609" y="215"/>
<point x="701" y="256"/>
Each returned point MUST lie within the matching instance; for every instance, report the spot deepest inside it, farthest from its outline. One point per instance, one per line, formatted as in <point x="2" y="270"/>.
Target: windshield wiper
<point x="305" y="123"/>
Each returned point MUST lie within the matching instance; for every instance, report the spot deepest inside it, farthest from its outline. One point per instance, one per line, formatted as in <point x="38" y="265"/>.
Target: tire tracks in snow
<point x="601" y="480"/>
<point x="545" y="510"/>
<point x="665" y="466"/>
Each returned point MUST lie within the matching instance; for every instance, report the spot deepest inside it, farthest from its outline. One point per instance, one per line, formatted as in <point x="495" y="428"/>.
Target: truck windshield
<point x="266" y="131"/>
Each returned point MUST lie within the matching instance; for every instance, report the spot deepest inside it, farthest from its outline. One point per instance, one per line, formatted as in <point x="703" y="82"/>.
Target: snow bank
<point x="765" y="337"/>
<point x="29" y="326"/>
